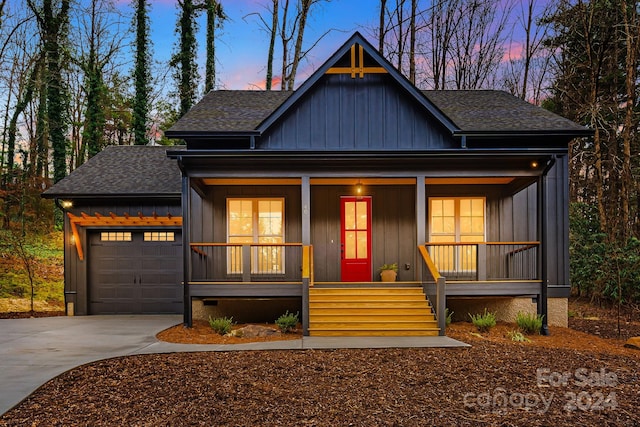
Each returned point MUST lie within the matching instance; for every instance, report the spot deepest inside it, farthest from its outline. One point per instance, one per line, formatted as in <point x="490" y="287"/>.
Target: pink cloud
<point x="513" y="51"/>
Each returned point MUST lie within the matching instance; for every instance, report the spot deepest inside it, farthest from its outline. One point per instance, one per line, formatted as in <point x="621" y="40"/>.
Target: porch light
<point x="534" y="164"/>
<point x="359" y="188"/>
<point x="66" y="204"/>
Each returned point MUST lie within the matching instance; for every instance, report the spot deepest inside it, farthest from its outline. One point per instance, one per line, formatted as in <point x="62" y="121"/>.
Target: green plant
<point x="222" y="325"/>
<point x="448" y="316"/>
<point x="529" y="323"/>
<point x="485" y="321"/>
<point x="517" y="336"/>
<point x="287" y="322"/>
<point x="393" y="267"/>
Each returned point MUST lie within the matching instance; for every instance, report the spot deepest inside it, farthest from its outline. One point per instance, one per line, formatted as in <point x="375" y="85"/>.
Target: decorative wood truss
<point x="357" y="65"/>
<point x="113" y="220"/>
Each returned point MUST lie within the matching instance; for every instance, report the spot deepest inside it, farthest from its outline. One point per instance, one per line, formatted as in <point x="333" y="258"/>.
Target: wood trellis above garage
<point x="113" y="220"/>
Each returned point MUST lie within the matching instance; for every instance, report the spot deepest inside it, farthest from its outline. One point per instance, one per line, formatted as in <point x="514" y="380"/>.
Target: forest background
<point x="78" y="75"/>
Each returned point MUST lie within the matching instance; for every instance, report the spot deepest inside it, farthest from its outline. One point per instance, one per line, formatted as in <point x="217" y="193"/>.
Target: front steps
<point x="370" y="311"/>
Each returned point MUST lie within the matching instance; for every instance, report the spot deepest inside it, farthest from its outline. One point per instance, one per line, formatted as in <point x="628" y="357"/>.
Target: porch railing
<point x="248" y="262"/>
<point x="486" y="261"/>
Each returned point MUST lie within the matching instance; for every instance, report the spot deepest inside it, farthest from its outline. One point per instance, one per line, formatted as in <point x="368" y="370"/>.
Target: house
<point x="291" y="200"/>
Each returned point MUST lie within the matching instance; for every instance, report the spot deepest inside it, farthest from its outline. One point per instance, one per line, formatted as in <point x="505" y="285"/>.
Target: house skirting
<point x="507" y="308"/>
<point x="243" y="310"/>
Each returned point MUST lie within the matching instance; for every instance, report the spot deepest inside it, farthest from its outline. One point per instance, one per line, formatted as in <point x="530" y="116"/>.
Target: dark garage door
<point x="135" y="272"/>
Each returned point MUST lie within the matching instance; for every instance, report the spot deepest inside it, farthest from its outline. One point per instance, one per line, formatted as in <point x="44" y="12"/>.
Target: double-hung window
<point x="260" y="223"/>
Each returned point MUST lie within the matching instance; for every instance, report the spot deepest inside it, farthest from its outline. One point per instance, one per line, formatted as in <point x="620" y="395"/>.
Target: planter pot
<point x="388" y="275"/>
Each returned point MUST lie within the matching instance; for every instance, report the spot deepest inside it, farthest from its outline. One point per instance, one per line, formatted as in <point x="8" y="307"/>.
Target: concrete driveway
<point x="33" y="351"/>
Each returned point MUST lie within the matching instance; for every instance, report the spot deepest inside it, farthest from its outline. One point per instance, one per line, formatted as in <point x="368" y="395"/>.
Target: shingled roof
<point x="472" y="111"/>
<point x="230" y="111"/>
<point x="123" y="171"/>
<point x="494" y="111"/>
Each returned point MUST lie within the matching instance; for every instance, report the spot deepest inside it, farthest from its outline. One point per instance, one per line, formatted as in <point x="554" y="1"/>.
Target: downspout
<point x="543" y="238"/>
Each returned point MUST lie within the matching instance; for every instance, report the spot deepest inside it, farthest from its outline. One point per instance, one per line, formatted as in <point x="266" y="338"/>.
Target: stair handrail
<point x="429" y="262"/>
<point x="441" y="289"/>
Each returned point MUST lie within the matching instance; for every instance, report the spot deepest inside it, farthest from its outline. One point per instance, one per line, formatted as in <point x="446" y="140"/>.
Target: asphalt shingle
<point x="126" y="170"/>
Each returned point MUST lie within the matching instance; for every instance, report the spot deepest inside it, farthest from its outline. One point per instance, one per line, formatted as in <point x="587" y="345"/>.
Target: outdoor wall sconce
<point x="359" y="188"/>
<point x="66" y="204"/>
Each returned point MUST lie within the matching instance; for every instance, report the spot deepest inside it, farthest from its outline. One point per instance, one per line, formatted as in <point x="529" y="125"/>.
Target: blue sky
<point x="242" y="47"/>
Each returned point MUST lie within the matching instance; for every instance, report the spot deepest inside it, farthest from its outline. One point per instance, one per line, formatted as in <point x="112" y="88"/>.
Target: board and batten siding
<point x="341" y="113"/>
<point x="209" y="220"/>
<point x="393" y="229"/>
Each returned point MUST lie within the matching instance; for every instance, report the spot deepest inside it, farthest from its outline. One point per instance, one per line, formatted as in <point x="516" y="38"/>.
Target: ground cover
<point x="576" y="376"/>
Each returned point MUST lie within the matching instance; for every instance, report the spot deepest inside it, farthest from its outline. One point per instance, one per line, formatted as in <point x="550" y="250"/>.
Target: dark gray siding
<point x="393" y="230"/>
<point x="209" y="220"/>
<point x="341" y="113"/>
<point x="558" y="223"/>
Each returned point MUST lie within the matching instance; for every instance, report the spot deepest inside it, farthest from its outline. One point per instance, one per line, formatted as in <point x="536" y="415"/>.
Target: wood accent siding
<point x="341" y="113"/>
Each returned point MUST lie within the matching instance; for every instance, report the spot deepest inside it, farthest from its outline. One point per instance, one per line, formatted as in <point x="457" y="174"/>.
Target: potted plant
<point x="389" y="272"/>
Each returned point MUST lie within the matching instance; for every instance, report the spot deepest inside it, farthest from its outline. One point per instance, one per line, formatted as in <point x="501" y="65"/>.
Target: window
<point x="456" y="220"/>
<point x="115" y="236"/>
<point x="256" y="221"/>
<point x="159" y="236"/>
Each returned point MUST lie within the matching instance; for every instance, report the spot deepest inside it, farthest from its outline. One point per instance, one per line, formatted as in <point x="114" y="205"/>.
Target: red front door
<point x="355" y="247"/>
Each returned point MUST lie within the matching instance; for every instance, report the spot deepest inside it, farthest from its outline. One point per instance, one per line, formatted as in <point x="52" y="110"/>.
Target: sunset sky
<point x="242" y="48"/>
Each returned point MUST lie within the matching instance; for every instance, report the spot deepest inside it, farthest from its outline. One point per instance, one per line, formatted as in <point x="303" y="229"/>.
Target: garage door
<point x="137" y="272"/>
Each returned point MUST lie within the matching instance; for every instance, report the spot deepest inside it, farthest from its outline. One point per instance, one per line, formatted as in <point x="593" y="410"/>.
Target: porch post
<point x="186" y="250"/>
<point x="543" y="239"/>
<point x="305" y="196"/>
<point x="421" y="221"/>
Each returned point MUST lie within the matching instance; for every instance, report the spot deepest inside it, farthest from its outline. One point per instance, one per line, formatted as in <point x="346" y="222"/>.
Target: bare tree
<point x="527" y="70"/>
<point x="292" y="28"/>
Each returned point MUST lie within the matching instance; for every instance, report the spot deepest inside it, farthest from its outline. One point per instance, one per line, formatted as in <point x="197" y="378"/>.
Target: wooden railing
<point x="250" y="262"/>
<point x="486" y="261"/>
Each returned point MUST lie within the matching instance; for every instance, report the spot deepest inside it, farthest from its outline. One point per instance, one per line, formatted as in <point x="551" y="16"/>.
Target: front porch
<point x="335" y="308"/>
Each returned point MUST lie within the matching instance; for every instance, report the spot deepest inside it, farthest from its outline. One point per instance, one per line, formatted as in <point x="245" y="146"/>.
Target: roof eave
<point x="86" y="196"/>
<point x="569" y="133"/>
<point x="211" y="134"/>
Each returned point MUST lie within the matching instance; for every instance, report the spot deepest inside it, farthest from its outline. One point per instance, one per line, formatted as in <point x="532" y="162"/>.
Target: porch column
<point x="305" y="196"/>
<point x="421" y="221"/>
<point x="186" y="250"/>
<point x="543" y="239"/>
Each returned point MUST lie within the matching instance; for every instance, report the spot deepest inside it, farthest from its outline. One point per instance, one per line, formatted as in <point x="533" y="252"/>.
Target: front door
<point x="355" y="247"/>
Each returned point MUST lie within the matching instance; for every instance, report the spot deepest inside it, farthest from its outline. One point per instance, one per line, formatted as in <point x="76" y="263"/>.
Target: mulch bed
<point x="29" y="314"/>
<point x="569" y="378"/>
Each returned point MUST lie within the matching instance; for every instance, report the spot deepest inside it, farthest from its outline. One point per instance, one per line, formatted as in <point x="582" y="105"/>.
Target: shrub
<point x="529" y="323"/>
<point x="287" y="322"/>
<point x="222" y="325"/>
<point x="484" y="322"/>
<point x="448" y="316"/>
<point x="517" y="336"/>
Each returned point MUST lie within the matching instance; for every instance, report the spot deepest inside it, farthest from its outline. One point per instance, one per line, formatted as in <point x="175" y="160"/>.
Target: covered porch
<point x="306" y="258"/>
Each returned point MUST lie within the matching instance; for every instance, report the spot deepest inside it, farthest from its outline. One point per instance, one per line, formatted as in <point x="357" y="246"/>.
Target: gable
<point x="371" y="112"/>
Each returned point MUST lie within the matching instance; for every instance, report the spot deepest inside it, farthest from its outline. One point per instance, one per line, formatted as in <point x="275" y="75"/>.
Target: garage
<point x="135" y="272"/>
